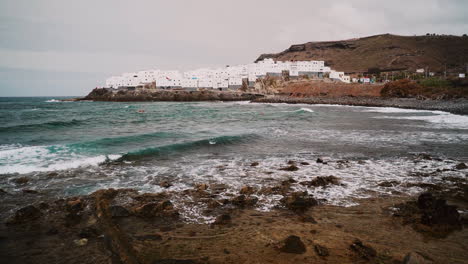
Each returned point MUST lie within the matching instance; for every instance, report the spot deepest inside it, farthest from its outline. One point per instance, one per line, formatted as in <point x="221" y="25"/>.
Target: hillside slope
<point x="386" y="52"/>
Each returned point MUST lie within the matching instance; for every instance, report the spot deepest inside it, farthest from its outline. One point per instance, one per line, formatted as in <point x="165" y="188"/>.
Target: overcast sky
<point x="62" y="47"/>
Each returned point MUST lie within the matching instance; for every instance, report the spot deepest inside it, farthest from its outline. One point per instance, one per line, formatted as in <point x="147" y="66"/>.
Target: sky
<point x="64" y="47"/>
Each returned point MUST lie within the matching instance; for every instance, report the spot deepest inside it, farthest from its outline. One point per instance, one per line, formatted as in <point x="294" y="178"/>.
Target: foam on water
<point x="53" y="101"/>
<point x="19" y="159"/>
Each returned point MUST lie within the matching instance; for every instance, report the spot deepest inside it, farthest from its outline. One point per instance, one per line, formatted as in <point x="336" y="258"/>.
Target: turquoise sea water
<point x="94" y="145"/>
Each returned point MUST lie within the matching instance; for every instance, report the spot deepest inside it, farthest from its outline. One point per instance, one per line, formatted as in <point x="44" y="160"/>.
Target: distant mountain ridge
<point x="385" y="53"/>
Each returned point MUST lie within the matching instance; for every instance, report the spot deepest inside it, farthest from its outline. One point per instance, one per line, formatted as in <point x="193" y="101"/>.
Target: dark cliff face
<point x="384" y="52"/>
<point x="167" y="95"/>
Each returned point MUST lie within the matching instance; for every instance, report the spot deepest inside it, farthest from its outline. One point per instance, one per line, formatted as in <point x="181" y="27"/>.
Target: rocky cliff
<point x="384" y="53"/>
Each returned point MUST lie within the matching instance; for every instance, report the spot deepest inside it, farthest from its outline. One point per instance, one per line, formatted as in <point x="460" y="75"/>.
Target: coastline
<point x="128" y="226"/>
<point x="455" y="106"/>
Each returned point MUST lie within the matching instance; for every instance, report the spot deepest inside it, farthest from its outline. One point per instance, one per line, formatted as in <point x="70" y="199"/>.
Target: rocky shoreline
<point x="168" y="95"/>
<point x="455" y="106"/>
<point x="127" y="226"/>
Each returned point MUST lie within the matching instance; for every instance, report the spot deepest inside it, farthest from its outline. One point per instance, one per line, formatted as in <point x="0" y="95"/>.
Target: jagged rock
<point x="118" y="211"/>
<point x="21" y="180"/>
<point x="307" y="219"/>
<point x="461" y="166"/>
<point x="254" y="164"/>
<point x="223" y="219"/>
<point x="293" y="245"/>
<point x="388" y="183"/>
<point x="363" y="251"/>
<point x="29" y="191"/>
<point x="424" y="156"/>
<point x="88" y="232"/>
<point x="291" y="167"/>
<point x="243" y="201"/>
<point x="75" y="206"/>
<point x="321" y="250"/>
<point x="81" y="242"/>
<point x="437" y="212"/>
<point x="415" y="258"/>
<point x="25" y="214"/>
<point x="149" y="210"/>
<point x="202" y="187"/>
<point x="165" y="184"/>
<point x="321" y="181"/>
<point x="320" y="160"/>
<point x="299" y="201"/>
<point x="247" y="190"/>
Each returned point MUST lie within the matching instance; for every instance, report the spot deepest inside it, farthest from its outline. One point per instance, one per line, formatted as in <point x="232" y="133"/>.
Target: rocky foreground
<point x="455" y="106"/>
<point x="125" y="226"/>
<point x="144" y="95"/>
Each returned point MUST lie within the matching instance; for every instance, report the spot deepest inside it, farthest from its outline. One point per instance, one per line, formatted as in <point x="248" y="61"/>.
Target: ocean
<point x="75" y="148"/>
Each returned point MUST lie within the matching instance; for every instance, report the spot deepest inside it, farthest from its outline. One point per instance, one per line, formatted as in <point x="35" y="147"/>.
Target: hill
<point x="384" y="52"/>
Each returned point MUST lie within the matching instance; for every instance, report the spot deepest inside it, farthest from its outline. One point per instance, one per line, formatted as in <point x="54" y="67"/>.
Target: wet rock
<point x="202" y="187"/>
<point x="52" y="174"/>
<point x="118" y="211"/>
<point x="290" y="168"/>
<point x="363" y="251"/>
<point x="243" y="201"/>
<point x="88" y="232"/>
<point x="321" y="181"/>
<point x="25" y="214"/>
<point x="43" y="206"/>
<point x="212" y="204"/>
<point x="21" y="180"/>
<point x="320" y="160"/>
<point x="218" y="188"/>
<point x="81" y="242"/>
<point x="3" y="192"/>
<point x="415" y="258"/>
<point x="52" y="231"/>
<point x="254" y="164"/>
<point x="307" y="219"/>
<point x="149" y="210"/>
<point x="223" y="219"/>
<point x="389" y="183"/>
<point x="165" y="184"/>
<point x="247" y="190"/>
<point x="437" y="212"/>
<point x="305" y="163"/>
<point x="291" y="162"/>
<point x="293" y="245"/>
<point x="321" y="250"/>
<point x="461" y="166"/>
<point x="299" y="201"/>
<point x="75" y="206"/>
<point x="29" y="191"/>
<point x="424" y="156"/>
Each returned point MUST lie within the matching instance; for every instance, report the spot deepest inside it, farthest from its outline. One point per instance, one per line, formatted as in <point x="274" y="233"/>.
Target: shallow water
<point x="95" y="145"/>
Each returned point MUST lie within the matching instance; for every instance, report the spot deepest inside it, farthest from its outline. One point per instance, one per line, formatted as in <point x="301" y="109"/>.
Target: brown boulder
<point x="293" y="245"/>
<point x="363" y="251"/>
<point x="321" y="250"/>
<point x="247" y="190"/>
<point x="322" y="181"/>
<point x="299" y="201"/>
<point x="223" y="219"/>
<point x="461" y="166"/>
<point x="25" y="214"/>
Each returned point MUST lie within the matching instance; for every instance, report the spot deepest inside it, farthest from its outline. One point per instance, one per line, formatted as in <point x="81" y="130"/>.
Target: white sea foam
<point x="53" y="101"/>
<point x="399" y="110"/>
<point x="306" y="109"/>
<point x="437" y="119"/>
<point x="19" y="159"/>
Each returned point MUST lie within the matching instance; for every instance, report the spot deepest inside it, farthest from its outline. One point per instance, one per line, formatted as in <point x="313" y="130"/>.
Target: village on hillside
<point x="230" y="77"/>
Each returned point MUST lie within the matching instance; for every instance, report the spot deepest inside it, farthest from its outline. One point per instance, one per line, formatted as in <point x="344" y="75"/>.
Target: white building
<point x="229" y="77"/>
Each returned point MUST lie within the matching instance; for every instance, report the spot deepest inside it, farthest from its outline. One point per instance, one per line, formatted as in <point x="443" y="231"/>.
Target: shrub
<point x="401" y="88"/>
